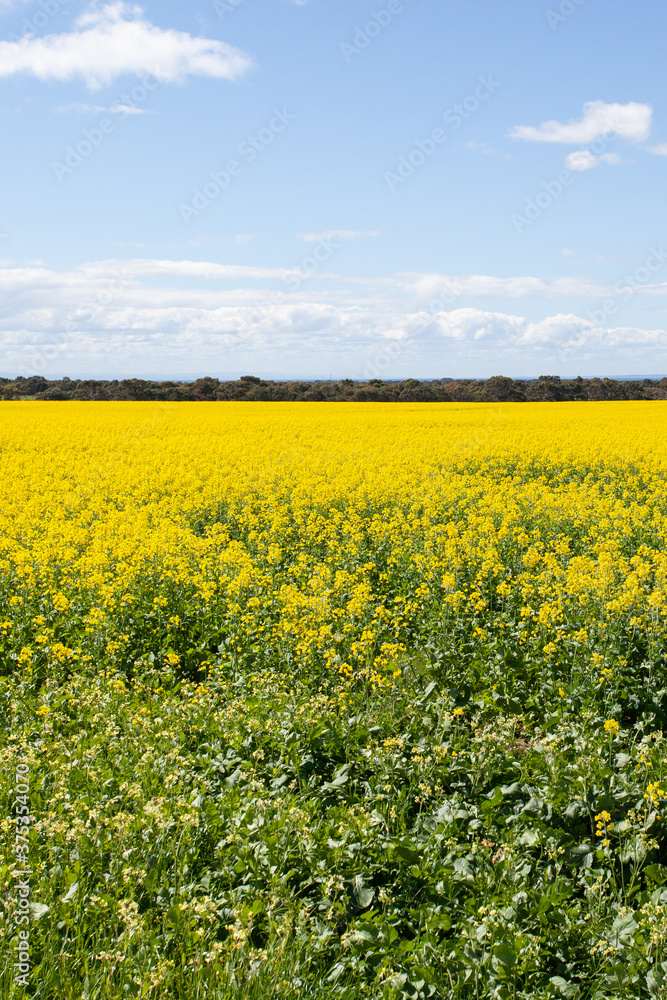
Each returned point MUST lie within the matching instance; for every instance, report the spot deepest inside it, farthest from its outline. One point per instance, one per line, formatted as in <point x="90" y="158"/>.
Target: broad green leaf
<point x="658" y="873"/>
<point x="407" y="854"/>
<point x="566" y="989"/>
<point x="505" y="954"/>
<point x="362" y="894"/>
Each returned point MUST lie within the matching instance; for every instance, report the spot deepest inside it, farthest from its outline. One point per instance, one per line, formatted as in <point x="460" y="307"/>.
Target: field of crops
<point x="313" y="700"/>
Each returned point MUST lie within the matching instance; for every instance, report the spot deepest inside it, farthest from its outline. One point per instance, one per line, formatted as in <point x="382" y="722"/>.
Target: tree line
<point x="250" y="388"/>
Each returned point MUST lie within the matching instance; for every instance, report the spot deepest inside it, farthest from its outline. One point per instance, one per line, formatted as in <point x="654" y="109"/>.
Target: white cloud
<point x="566" y="333"/>
<point x="659" y="150"/>
<point x="581" y="160"/>
<point x="97" y="109"/>
<point x="629" y="121"/>
<point x="337" y="234"/>
<point x="115" y="39"/>
<point x="135" y="316"/>
<point x="427" y="287"/>
<point x="416" y="288"/>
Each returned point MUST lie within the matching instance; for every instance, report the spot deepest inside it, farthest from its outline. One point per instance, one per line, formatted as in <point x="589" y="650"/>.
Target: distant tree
<point x="501" y="389"/>
<point x="205" y="388"/>
<point x="547" y="388"/>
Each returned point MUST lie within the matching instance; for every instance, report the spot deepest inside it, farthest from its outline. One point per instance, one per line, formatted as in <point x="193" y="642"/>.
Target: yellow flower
<point x="654" y="793"/>
<point x="44" y="710"/>
<point x="612" y="727"/>
<point x="458" y="711"/>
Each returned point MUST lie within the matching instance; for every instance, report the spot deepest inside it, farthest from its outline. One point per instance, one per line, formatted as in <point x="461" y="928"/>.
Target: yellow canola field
<point x="327" y="536"/>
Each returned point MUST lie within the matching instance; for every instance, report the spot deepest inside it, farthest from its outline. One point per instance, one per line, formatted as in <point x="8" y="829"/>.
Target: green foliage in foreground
<point x="475" y="832"/>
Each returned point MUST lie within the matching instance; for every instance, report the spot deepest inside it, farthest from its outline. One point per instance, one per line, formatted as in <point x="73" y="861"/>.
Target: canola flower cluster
<point x="331" y="538"/>
<point x="361" y="701"/>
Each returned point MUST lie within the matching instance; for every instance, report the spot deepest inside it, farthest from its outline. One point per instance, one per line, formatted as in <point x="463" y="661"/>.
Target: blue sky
<point x="393" y="188"/>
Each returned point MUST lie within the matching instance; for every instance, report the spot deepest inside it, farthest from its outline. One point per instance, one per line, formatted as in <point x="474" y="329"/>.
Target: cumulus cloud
<point x="583" y="159"/>
<point x="659" y="150"/>
<point x="116" y="39"/>
<point x="631" y="121"/>
<point x="565" y="333"/>
<point x="137" y="314"/>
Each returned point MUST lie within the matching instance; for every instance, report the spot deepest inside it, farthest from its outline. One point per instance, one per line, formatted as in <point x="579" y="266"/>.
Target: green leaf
<point x="658" y="873"/>
<point x="338" y="782"/>
<point x="566" y="989"/>
<point x="655" y="982"/>
<point x="336" y="973"/>
<point x="71" y="893"/>
<point x="362" y="895"/>
<point x="622" y="930"/>
<point x="505" y="954"/>
<point x="427" y="693"/>
<point x="463" y="870"/>
<point x="151" y="879"/>
<point x="407" y="854"/>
